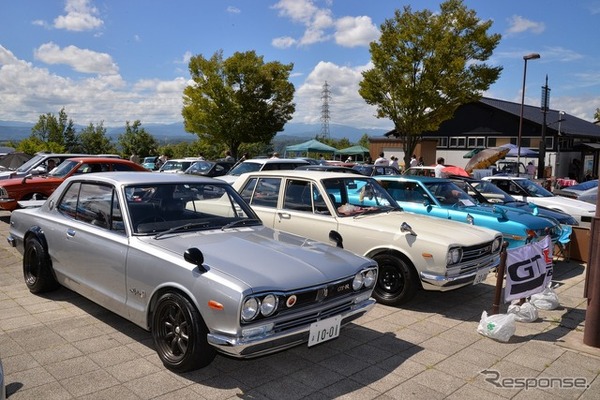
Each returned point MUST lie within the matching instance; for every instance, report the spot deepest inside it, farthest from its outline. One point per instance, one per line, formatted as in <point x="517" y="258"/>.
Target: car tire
<point x="396" y="281"/>
<point x="37" y="270"/>
<point x="180" y="334"/>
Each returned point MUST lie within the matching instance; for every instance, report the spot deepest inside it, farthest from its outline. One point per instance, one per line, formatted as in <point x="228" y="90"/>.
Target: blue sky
<point x="113" y="61"/>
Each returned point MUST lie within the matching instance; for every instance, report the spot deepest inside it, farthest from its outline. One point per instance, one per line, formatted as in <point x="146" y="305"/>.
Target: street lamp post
<point x="561" y="115"/>
<point x="527" y="57"/>
<point x="542" y="152"/>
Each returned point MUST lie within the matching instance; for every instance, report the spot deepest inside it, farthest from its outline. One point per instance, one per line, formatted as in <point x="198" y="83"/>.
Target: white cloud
<point x="346" y="106"/>
<point x="355" y="31"/>
<point x="233" y="10"/>
<point x="518" y="24"/>
<point x="28" y="92"/>
<point x="81" y="16"/>
<point x="321" y="26"/>
<point x="283" y="42"/>
<point x="81" y="60"/>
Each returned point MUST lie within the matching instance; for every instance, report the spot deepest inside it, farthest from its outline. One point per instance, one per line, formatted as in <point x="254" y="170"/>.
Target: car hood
<point x="36" y="180"/>
<point x="561" y="217"/>
<point x="441" y="230"/>
<point x="240" y="253"/>
<point x="574" y="206"/>
<point x="509" y="214"/>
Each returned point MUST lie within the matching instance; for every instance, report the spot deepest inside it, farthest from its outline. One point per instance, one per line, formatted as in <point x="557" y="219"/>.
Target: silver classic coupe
<point x="187" y="259"/>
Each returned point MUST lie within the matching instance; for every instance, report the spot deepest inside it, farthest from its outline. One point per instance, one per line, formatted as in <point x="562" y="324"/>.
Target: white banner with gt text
<point x="528" y="269"/>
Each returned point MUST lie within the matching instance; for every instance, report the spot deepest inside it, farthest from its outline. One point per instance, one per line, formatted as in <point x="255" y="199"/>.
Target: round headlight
<point x="470" y="219"/>
<point x="370" y="277"/>
<point x="496" y="244"/>
<point x="357" y="283"/>
<point x="454" y="255"/>
<point x="250" y="309"/>
<point x="269" y="305"/>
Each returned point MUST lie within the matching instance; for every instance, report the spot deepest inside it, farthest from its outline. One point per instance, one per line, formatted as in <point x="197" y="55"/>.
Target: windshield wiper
<point x="239" y="222"/>
<point x="181" y="228"/>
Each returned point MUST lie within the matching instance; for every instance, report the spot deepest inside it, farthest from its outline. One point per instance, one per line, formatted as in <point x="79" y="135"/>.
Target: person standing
<point x="395" y="162"/>
<point x="134" y="158"/>
<point x="530" y="170"/>
<point x="229" y="157"/>
<point x="439" y="167"/>
<point x="413" y="161"/>
<point x="421" y="162"/>
<point x="381" y="161"/>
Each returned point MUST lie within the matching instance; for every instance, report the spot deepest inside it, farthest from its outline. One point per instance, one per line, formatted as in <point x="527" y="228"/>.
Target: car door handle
<point x="70" y="232"/>
<point x="284" y="215"/>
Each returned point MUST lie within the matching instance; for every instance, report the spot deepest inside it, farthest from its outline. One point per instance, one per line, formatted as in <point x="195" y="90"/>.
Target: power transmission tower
<point x="325" y="97"/>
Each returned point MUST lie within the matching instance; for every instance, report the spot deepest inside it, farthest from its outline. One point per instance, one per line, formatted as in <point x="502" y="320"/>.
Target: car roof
<point x="143" y="178"/>
<point x="421" y="178"/>
<point x="100" y="159"/>
<point x="276" y="160"/>
<point x="296" y="173"/>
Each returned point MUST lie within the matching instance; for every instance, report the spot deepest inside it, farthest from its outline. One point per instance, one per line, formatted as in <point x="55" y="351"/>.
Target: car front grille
<point x="474" y="258"/>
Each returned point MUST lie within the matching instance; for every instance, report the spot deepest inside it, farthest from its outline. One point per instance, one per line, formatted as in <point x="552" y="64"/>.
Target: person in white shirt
<point x="394" y="162"/>
<point x="381" y="161"/>
<point x="531" y="169"/>
<point x="413" y="161"/>
<point x="439" y="167"/>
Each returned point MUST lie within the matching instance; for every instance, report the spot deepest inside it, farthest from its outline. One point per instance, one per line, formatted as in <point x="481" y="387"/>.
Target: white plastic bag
<point x="525" y="312"/>
<point x="498" y="326"/>
<point x="546" y="300"/>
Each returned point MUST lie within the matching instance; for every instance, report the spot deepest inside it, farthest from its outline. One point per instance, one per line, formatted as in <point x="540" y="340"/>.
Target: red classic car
<point x="41" y="187"/>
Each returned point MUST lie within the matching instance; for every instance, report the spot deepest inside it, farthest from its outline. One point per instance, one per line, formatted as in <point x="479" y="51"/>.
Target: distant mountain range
<point x="14" y="130"/>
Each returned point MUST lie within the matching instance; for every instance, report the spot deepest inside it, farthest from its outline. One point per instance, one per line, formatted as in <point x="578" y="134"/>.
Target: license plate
<point x="324" y="330"/>
<point x="481" y="275"/>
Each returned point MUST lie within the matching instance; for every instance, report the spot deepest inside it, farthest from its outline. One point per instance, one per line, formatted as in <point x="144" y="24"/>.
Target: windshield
<point x="63" y="169"/>
<point x="32" y="162"/>
<point x="533" y="189"/>
<point x="490" y="192"/>
<point x="246" y="166"/>
<point x="183" y="207"/>
<point x="199" y="167"/>
<point x="448" y="193"/>
<point x="354" y="196"/>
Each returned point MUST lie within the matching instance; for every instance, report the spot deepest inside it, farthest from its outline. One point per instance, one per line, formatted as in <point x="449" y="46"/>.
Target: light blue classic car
<point x="442" y="198"/>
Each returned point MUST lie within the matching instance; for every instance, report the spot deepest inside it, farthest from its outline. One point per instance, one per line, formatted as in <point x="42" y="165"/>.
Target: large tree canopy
<point x="240" y="100"/>
<point x="425" y="65"/>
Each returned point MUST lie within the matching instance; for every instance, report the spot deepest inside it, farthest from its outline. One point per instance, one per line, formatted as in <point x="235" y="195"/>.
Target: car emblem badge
<point x="291" y="301"/>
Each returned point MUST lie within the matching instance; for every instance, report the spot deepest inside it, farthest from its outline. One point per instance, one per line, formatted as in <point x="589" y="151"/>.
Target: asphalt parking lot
<point x="62" y="346"/>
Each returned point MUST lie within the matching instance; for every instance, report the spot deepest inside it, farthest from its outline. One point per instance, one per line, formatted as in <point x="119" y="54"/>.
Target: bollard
<point x="499" y="280"/>
<point x="591" y="330"/>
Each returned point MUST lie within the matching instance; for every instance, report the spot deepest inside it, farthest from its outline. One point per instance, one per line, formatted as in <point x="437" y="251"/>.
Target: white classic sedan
<point x="355" y="212"/>
<point x="187" y="259"/>
<point x="525" y="189"/>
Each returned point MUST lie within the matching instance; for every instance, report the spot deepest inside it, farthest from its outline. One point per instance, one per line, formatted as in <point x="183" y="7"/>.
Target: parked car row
<point x="268" y="256"/>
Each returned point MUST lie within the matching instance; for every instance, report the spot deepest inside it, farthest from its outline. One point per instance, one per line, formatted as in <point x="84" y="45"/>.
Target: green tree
<point x="135" y="140"/>
<point x="237" y="101"/>
<point x="597" y="115"/>
<point x="93" y="140"/>
<point x="34" y="144"/>
<point x="56" y="131"/>
<point x="425" y="65"/>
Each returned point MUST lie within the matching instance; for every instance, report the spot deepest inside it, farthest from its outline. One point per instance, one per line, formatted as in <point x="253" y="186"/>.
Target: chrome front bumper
<point x="273" y="342"/>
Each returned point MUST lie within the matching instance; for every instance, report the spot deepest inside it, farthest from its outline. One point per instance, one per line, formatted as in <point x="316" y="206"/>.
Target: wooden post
<point x="499" y="280"/>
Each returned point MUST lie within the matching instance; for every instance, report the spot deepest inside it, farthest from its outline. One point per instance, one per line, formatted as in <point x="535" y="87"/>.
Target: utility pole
<point x="542" y="152"/>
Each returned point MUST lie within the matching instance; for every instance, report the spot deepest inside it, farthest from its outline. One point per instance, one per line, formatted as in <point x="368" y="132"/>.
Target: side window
<point x="247" y="190"/>
<point x="297" y="196"/>
<point x="266" y="192"/>
<point x="94" y="204"/>
<point x="68" y="203"/>
<point x="319" y="201"/>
